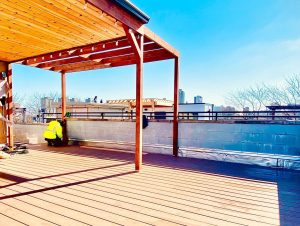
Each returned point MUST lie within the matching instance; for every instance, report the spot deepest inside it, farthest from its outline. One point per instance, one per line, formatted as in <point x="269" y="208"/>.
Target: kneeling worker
<point x="53" y="134"/>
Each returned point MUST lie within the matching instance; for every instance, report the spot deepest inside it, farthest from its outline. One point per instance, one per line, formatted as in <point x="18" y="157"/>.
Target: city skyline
<point x="235" y="44"/>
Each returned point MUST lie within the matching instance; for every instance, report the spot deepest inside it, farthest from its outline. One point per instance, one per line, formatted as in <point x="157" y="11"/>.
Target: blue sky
<point x="224" y="44"/>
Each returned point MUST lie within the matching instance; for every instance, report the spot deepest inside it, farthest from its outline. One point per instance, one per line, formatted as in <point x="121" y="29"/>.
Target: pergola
<point x="68" y="36"/>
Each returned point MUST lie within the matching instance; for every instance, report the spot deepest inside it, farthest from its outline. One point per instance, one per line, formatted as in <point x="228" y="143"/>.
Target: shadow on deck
<point x="88" y="185"/>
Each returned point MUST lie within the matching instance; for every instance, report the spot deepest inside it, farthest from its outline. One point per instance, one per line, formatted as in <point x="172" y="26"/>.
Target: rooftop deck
<point x="92" y="186"/>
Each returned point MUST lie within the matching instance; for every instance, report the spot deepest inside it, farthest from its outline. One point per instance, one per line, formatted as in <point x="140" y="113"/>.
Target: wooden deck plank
<point x="176" y="204"/>
<point x="51" y="213"/>
<point x="9" y="221"/>
<point x="233" y="184"/>
<point x="194" y="189"/>
<point x="92" y="182"/>
<point x="9" y="209"/>
<point x="77" y="178"/>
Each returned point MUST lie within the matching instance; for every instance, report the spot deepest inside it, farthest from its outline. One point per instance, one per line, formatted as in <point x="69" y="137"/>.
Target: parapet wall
<point x="29" y="133"/>
<point x="261" y="138"/>
<point x="262" y="144"/>
<point x="273" y="145"/>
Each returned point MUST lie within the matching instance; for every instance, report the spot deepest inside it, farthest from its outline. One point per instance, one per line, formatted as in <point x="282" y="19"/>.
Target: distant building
<point x="88" y="100"/>
<point x="181" y="96"/>
<point x="198" y="99"/>
<point x="154" y="108"/>
<point x="149" y="104"/>
<point x="74" y="100"/>
<point x="47" y="105"/>
<point x="198" y="111"/>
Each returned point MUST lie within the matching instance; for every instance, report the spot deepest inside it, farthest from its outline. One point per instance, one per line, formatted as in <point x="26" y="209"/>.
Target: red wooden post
<point x="139" y="107"/>
<point x="175" y="120"/>
<point x="10" y="105"/>
<point x="63" y="96"/>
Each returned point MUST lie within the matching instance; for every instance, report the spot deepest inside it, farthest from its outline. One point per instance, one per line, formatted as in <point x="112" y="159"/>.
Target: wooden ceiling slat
<point x="9" y="39"/>
<point x="6" y="56"/>
<point x="97" y="15"/>
<point x="82" y="18"/>
<point x="43" y="26"/>
<point x="31" y="36"/>
<point x="63" y="35"/>
<point x="53" y="31"/>
<point x="64" y="18"/>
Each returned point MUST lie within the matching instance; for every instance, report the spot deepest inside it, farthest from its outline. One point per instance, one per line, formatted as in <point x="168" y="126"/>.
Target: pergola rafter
<point x="79" y="35"/>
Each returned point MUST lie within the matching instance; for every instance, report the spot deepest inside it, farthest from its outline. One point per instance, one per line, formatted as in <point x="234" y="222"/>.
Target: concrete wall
<point x="270" y="145"/>
<point x="261" y="144"/>
<point x="156" y="133"/>
<point x="262" y="138"/>
<point x="257" y="138"/>
<point x="32" y="134"/>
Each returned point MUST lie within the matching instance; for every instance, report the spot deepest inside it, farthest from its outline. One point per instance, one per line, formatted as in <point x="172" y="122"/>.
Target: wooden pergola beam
<point x="119" y="64"/>
<point x="96" y="57"/>
<point x="133" y="41"/>
<point x="118" y="13"/>
<point x="73" y="52"/>
<point x="154" y="37"/>
<point x="79" y="59"/>
<point x="151" y="56"/>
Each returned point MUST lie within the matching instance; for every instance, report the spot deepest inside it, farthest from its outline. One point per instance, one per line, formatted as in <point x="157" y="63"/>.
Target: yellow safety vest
<point x="54" y="129"/>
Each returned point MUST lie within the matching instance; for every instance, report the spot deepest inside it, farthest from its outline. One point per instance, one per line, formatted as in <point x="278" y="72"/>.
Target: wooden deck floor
<point x="90" y="186"/>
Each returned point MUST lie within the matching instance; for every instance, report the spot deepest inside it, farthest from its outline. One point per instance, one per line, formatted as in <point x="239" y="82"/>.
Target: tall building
<point x="198" y="100"/>
<point x="181" y="96"/>
<point x="46" y="102"/>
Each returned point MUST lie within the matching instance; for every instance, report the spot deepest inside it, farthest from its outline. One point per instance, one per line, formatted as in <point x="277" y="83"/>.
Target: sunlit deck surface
<point x="93" y="186"/>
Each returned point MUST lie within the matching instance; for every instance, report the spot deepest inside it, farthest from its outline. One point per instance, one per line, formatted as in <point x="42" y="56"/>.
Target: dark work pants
<point x="54" y="142"/>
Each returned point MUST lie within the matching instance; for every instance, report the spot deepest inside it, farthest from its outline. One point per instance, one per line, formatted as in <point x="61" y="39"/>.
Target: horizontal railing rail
<point x="201" y="115"/>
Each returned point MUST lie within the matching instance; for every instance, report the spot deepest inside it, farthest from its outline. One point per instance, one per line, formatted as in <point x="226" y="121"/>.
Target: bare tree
<point x="278" y="96"/>
<point x="263" y="95"/>
<point x="236" y="99"/>
<point x="293" y="88"/>
<point x="33" y="104"/>
<point x="257" y="96"/>
<point x="18" y="99"/>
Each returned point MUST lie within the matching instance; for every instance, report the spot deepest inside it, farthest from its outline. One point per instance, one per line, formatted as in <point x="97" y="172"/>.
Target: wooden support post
<point x="175" y="119"/>
<point x="138" y="47"/>
<point x="10" y="105"/>
<point x="63" y="96"/>
<point x="64" y="107"/>
<point x="139" y="108"/>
